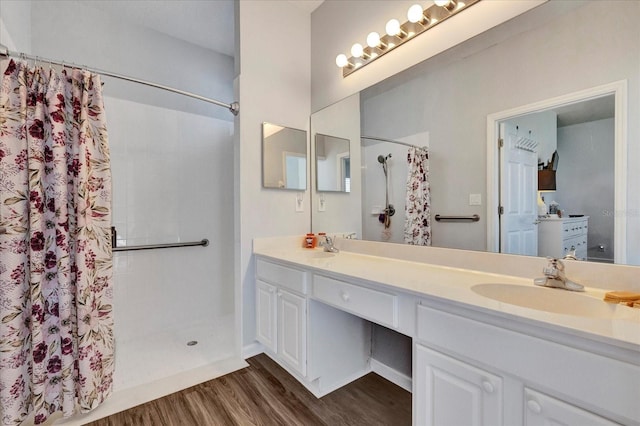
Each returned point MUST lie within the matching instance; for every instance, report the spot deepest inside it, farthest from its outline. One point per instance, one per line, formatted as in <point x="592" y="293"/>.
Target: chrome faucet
<point x="554" y="277"/>
<point x="328" y="244"/>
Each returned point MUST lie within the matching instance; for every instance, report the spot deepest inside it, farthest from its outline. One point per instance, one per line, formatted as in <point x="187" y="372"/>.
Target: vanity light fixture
<point x="419" y="20"/>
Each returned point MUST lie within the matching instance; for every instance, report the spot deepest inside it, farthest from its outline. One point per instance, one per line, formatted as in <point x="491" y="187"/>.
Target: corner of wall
<point x="15" y="25"/>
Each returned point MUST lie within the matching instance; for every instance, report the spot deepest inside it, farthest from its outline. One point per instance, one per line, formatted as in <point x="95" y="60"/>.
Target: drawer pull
<point x="487" y="386"/>
<point x="344" y="295"/>
<point x="534" y="406"/>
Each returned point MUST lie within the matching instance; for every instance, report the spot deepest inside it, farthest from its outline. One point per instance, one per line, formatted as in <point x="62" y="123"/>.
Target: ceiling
<point x="584" y="112"/>
<point x="206" y="23"/>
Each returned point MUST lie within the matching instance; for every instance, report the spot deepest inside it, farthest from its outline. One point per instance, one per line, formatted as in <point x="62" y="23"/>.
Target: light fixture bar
<point x="432" y="16"/>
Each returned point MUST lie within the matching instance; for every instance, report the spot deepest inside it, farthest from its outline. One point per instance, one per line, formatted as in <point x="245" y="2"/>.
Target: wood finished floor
<point x="265" y="394"/>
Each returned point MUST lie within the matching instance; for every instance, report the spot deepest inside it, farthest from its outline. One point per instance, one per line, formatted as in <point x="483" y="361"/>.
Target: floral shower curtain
<point x="417" y="226"/>
<point x="56" y="322"/>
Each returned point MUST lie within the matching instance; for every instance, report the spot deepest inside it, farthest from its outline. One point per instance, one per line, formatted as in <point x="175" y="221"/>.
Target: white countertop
<point x="619" y="325"/>
<point x="554" y="217"/>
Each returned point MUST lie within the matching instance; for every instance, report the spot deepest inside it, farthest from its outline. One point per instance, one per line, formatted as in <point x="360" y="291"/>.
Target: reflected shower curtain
<point x="417" y="226"/>
<point x="56" y="322"/>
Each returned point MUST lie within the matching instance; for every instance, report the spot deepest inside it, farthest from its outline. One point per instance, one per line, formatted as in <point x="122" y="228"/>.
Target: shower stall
<point x="381" y="188"/>
<point x="172" y="160"/>
<point x="173" y="306"/>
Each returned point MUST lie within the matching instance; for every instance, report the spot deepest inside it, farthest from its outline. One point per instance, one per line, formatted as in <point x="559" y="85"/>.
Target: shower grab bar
<point x="472" y="218"/>
<point x="203" y="243"/>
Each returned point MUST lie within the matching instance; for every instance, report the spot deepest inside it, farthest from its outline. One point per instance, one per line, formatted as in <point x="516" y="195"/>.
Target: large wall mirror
<point x="284" y="157"/>
<point x="333" y="163"/>
<point x="524" y="66"/>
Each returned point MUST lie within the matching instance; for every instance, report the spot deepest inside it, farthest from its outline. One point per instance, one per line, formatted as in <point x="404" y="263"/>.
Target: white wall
<point x="272" y="86"/>
<point x="336" y="25"/>
<point x="342" y="210"/>
<point x="442" y="96"/>
<point x="585" y="180"/>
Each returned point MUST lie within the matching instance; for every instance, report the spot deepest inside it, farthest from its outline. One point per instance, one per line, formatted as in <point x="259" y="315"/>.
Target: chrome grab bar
<point x="203" y="243"/>
<point x="473" y="218"/>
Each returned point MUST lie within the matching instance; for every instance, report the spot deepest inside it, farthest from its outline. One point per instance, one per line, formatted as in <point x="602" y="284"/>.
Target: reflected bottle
<point x="310" y="241"/>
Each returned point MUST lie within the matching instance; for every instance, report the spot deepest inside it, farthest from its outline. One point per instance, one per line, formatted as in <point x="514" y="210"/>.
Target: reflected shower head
<point x="382" y="159"/>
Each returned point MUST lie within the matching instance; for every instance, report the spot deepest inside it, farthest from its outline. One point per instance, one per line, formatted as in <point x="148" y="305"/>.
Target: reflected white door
<point x="518" y="192"/>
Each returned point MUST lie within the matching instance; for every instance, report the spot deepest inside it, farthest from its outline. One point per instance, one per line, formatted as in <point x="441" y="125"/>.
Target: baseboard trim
<point x="394" y="376"/>
<point x="252" y="349"/>
<point x="319" y="393"/>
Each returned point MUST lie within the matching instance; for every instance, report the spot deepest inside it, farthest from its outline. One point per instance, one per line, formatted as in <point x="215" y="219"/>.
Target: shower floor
<point x="154" y="357"/>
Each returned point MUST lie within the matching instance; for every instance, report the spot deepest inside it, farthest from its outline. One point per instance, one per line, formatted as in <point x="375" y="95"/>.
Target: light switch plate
<point x="475" y="199"/>
<point x="322" y="204"/>
<point x="299" y="202"/>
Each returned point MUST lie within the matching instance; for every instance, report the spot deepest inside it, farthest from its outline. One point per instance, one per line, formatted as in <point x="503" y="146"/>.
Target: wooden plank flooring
<point x="265" y="394"/>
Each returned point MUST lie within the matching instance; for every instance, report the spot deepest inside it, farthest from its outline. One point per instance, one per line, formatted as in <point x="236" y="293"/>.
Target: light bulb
<point x="341" y="60"/>
<point x="356" y="50"/>
<point x="393" y="27"/>
<point x="414" y="14"/>
<point x="442" y="3"/>
<point x="373" y="39"/>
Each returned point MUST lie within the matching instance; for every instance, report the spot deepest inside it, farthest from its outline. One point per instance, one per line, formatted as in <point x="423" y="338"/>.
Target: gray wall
<point x="533" y="57"/>
<point x="76" y="32"/>
<point x="585" y="180"/>
<point x="15" y="25"/>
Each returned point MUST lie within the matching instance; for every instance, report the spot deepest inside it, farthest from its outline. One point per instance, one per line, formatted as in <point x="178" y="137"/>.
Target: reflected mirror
<point x="444" y="103"/>
<point x="333" y="163"/>
<point x="284" y="157"/>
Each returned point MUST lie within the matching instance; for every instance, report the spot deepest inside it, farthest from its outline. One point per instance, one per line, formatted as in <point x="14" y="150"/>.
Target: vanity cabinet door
<point x="451" y="392"/>
<point x="292" y="331"/>
<point x="266" y="319"/>
<point x="543" y="410"/>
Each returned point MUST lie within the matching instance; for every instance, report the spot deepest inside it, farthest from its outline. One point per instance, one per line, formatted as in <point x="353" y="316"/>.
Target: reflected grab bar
<point x="203" y="243"/>
<point x="473" y="218"/>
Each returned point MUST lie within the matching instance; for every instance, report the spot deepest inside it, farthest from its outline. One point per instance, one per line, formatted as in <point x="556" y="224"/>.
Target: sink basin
<point x="547" y="299"/>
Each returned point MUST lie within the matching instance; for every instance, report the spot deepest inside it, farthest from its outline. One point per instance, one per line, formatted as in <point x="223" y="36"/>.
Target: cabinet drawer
<point x="544" y="410"/>
<point x="374" y="305"/>
<point x="574" y="229"/>
<point x="290" y="278"/>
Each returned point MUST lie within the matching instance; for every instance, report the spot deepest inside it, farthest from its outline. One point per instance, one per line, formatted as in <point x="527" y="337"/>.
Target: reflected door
<point x="518" y="192"/>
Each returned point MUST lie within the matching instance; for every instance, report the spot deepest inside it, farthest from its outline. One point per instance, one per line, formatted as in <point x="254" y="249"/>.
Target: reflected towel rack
<point x="202" y="243"/>
<point x="472" y="218"/>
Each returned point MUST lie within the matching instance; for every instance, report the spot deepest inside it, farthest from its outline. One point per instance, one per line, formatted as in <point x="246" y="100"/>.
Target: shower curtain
<point x="417" y="226"/>
<point x="56" y="322"/>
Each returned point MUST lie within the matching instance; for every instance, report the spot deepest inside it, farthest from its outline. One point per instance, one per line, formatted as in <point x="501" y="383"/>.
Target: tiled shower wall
<point x="172" y="182"/>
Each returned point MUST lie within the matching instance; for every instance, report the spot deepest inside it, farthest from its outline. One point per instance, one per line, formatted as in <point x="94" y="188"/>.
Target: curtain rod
<point x="234" y="107"/>
<point x="373" y="138"/>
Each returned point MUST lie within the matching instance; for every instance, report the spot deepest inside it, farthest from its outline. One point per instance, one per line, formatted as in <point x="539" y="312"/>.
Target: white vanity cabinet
<point x="451" y="392"/>
<point x="474" y="372"/>
<point x="557" y="237"/>
<point x="281" y="313"/>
